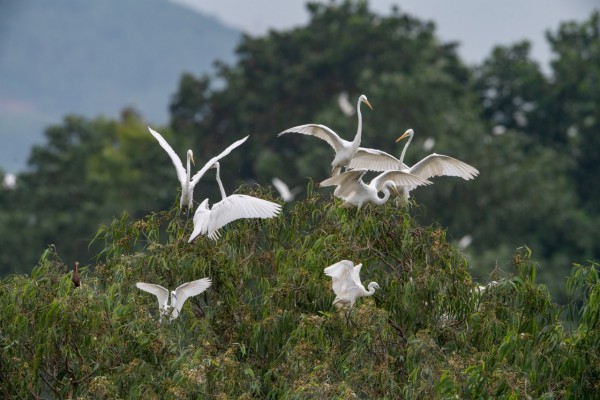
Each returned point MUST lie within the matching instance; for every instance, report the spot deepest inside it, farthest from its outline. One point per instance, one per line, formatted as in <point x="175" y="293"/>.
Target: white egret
<point x="345" y="105"/>
<point x="352" y="189"/>
<point x="178" y="296"/>
<point x="208" y="221"/>
<point x="432" y="165"/>
<point x="10" y="181"/>
<point x="187" y="181"/>
<point x="284" y="190"/>
<point x="346" y="283"/>
<point x="344" y="150"/>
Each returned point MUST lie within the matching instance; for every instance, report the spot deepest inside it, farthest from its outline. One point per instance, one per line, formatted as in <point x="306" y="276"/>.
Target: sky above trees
<point x="477" y="25"/>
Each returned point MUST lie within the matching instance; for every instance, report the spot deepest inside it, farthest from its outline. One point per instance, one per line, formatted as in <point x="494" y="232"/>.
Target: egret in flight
<point x="208" y="221"/>
<point x="429" y="167"/>
<point x="187" y="181"/>
<point x="178" y="296"/>
<point x="355" y="192"/>
<point x="284" y="190"/>
<point x="344" y="150"/>
<point x="346" y="283"/>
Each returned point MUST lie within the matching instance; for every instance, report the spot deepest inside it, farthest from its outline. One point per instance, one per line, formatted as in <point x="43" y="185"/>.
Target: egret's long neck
<point x="188" y="172"/>
<point x="386" y="195"/>
<point x="371" y="286"/>
<point x="221" y="188"/>
<point x="357" y="138"/>
<point x="404" y="149"/>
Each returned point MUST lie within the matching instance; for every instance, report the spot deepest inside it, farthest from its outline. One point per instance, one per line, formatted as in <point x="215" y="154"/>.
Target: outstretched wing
<point x="375" y="160"/>
<point x="238" y="206"/>
<point x="187" y="290"/>
<point x="400" y="178"/>
<point x="181" y="172"/>
<point x="320" y="131"/>
<point x="440" y="165"/>
<point x="160" y="292"/>
<point x="341" y="274"/>
<point x="347" y="183"/>
<point x="198" y="175"/>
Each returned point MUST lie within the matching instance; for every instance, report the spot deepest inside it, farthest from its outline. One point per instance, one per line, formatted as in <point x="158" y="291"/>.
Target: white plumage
<point x="184" y="174"/>
<point x="208" y="221"/>
<point x="344" y="150"/>
<point x="346" y="283"/>
<point x="284" y="190"/>
<point x="352" y="189"/>
<point x="429" y="167"/>
<point x="178" y="296"/>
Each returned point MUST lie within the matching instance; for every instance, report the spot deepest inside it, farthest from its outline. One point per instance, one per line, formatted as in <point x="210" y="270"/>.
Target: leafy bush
<point x="267" y="329"/>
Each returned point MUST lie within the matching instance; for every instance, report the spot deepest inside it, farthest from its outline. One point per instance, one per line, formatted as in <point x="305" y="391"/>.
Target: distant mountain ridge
<point x="95" y="58"/>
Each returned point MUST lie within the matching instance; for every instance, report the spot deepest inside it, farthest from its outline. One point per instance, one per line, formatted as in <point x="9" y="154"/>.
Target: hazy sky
<point x="477" y="24"/>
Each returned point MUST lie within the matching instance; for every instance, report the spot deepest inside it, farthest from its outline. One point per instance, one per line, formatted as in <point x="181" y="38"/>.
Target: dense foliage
<point x="533" y="137"/>
<point x="267" y="329"/>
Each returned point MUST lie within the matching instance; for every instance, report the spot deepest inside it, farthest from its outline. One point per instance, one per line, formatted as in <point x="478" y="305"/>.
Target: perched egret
<point x="178" y="296"/>
<point x="352" y="189"/>
<point x="346" y="283"/>
<point x="76" y="279"/>
<point x="432" y="165"/>
<point x="285" y="192"/>
<point x="187" y="181"/>
<point x="344" y="150"/>
<point x="208" y="221"/>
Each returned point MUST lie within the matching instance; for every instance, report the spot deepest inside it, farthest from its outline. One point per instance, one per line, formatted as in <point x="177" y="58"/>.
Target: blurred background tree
<point x="532" y="135"/>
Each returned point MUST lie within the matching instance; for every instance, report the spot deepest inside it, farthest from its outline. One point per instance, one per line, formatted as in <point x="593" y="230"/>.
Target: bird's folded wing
<point x="320" y="131"/>
<point x="198" y="175"/>
<point x="189" y="289"/>
<point x="400" y="178"/>
<point x="200" y="220"/>
<point x="375" y="160"/>
<point x="239" y="206"/>
<point x="441" y="165"/>
<point x="181" y="172"/>
<point x="160" y="292"/>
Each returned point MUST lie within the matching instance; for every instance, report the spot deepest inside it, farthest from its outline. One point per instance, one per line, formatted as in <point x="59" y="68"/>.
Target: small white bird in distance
<point x="344" y="150"/>
<point x="352" y="189"/>
<point x="178" y="296"/>
<point x="345" y="105"/>
<point x="346" y="283"/>
<point x="284" y="190"/>
<point x="208" y="221"/>
<point x="187" y="181"/>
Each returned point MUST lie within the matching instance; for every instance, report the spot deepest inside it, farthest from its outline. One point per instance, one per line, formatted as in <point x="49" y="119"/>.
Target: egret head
<point x="190" y="156"/>
<point x="363" y="99"/>
<point x="375" y="285"/>
<point x="215" y="165"/>
<point x="409" y="132"/>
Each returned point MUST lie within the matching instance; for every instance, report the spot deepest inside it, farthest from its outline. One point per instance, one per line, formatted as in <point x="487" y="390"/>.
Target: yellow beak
<point x="192" y="159"/>
<point x="403" y="136"/>
<point x="367" y="103"/>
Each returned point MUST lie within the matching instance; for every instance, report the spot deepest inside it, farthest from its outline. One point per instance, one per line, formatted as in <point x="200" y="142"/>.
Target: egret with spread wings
<point x="208" y="221"/>
<point x="178" y="296"/>
<point x="429" y="167"/>
<point x="187" y="181"/>
<point x="346" y="283"/>
<point x="355" y="192"/>
<point x="344" y="150"/>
